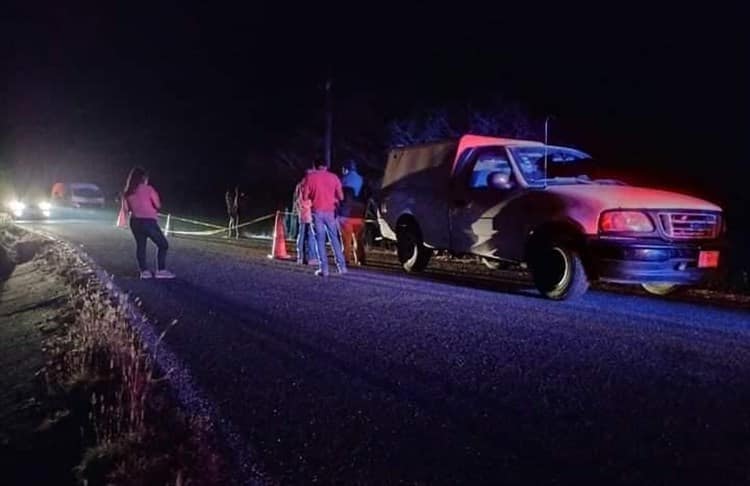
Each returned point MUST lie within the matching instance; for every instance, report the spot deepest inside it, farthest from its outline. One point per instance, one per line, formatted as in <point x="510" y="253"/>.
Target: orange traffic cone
<point x="278" y="247"/>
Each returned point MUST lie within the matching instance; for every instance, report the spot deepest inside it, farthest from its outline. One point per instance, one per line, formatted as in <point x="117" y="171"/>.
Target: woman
<point x="142" y="201"/>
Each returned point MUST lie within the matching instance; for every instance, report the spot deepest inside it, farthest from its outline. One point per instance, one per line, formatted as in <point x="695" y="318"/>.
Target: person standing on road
<point x="351" y="178"/>
<point x="323" y="189"/>
<point x="352" y="222"/>
<point x="307" y="250"/>
<point x="143" y="203"/>
<point x="232" y="199"/>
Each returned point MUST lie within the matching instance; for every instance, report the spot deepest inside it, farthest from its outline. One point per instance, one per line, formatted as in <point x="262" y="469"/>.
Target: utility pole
<point x="329" y="121"/>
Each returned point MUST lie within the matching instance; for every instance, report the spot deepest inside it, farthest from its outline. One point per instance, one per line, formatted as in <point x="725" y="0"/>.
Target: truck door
<point x="482" y="183"/>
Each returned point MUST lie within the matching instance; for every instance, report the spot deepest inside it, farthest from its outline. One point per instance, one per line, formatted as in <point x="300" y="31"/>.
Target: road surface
<point x="377" y="377"/>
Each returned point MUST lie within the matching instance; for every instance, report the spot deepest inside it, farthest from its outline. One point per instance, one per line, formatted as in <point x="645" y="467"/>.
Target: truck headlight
<point x="625" y="222"/>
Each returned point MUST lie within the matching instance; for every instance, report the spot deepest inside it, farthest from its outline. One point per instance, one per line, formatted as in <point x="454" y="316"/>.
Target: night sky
<point x="203" y="91"/>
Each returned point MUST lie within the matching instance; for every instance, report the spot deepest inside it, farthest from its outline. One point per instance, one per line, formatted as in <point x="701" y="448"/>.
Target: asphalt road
<point x="381" y="378"/>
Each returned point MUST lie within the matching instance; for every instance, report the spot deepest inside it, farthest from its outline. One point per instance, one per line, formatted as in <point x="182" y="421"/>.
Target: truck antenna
<point x="546" y="141"/>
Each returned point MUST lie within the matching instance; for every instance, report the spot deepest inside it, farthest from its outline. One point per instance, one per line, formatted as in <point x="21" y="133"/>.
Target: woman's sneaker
<point x="164" y="274"/>
<point x="146" y="274"/>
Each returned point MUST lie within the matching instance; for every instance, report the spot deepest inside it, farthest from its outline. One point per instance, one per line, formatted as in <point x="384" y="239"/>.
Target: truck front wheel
<point x="412" y="254"/>
<point x="660" y="289"/>
<point x="558" y="271"/>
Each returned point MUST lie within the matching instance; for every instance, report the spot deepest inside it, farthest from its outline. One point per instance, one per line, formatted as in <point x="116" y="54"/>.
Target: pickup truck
<point x="540" y="206"/>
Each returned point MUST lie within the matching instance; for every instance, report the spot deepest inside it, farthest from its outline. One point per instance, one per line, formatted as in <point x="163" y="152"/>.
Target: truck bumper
<point x="633" y="260"/>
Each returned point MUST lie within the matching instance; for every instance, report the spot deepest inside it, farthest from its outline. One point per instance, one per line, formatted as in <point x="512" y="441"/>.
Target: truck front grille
<point x="690" y="226"/>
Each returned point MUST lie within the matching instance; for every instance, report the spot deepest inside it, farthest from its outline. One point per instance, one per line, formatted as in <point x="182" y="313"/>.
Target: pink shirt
<point x="323" y="189"/>
<point x="143" y="203"/>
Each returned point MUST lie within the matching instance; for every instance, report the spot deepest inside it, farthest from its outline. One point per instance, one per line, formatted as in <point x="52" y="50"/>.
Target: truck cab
<point x="542" y="206"/>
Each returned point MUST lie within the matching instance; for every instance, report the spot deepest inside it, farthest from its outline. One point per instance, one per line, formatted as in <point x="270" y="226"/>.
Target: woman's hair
<point x="136" y="177"/>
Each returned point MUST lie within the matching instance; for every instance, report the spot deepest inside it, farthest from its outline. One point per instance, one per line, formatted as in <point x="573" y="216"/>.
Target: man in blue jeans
<point x="323" y="190"/>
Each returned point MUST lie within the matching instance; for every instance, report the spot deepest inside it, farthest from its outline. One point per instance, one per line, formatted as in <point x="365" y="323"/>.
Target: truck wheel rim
<point x="555" y="269"/>
<point x="561" y="259"/>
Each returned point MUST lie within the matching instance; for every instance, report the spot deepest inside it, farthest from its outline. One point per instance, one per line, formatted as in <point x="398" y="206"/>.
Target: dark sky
<point x="192" y="88"/>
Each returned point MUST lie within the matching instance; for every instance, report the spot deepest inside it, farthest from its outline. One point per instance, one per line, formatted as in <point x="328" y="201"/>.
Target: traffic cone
<point x="278" y="247"/>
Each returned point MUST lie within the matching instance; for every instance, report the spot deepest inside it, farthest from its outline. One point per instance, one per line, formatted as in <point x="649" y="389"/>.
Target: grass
<point x="132" y="429"/>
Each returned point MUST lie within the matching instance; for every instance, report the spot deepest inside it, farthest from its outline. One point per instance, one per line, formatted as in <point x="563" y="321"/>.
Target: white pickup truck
<point x="540" y="206"/>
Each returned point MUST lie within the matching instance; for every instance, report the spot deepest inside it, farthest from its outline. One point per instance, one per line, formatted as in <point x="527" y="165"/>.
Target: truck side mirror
<point x="500" y="180"/>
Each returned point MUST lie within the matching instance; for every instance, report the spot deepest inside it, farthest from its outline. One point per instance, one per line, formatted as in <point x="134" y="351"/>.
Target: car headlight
<point x="625" y="222"/>
<point x="17" y="207"/>
<point x="44" y="206"/>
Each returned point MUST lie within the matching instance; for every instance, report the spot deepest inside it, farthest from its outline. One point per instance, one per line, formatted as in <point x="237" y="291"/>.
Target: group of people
<point x="330" y="209"/>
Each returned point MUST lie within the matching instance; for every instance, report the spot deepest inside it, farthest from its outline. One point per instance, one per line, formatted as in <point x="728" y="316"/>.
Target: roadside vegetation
<point x="107" y="406"/>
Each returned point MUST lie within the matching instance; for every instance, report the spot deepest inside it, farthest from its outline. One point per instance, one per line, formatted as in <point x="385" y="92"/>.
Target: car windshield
<point x="564" y="165"/>
<point x="88" y="192"/>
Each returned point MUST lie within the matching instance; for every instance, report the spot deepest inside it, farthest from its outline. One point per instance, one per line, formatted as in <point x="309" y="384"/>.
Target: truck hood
<point x="628" y="197"/>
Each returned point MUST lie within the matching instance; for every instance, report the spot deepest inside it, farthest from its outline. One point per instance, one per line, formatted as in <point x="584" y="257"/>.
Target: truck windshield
<point x="564" y="165"/>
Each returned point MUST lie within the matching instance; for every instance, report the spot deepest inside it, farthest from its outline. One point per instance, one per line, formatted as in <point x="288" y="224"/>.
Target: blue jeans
<point x="144" y="229"/>
<point x="307" y="248"/>
<point x="325" y="224"/>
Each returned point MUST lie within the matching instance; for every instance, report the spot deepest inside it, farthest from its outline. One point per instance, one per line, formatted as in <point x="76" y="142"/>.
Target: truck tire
<point x="412" y="254"/>
<point x="558" y="271"/>
<point x="659" y="288"/>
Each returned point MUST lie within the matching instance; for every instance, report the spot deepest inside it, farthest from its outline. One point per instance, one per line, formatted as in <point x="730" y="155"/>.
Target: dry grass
<point x="136" y="432"/>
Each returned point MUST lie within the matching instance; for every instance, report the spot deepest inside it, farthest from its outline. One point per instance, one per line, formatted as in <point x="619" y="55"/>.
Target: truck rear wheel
<point x="558" y="271"/>
<point x="412" y="254"/>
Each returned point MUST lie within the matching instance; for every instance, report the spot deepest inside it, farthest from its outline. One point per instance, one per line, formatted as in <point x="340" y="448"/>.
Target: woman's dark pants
<point x="144" y="228"/>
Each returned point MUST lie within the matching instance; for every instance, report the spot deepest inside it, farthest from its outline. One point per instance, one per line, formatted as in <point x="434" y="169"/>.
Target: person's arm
<point x="155" y="200"/>
<point x="124" y="204"/>
<point x="306" y="192"/>
<point x="339" y="191"/>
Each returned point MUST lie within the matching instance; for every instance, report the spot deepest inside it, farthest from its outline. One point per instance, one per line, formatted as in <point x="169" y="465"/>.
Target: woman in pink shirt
<point x="142" y="201"/>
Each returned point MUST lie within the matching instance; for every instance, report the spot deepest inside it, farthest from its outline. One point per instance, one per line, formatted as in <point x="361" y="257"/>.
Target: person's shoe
<point x="321" y="273"/>
<point x="164" y="274"/>
<point x="146" y="274"/>
<point x="343" y="271"/>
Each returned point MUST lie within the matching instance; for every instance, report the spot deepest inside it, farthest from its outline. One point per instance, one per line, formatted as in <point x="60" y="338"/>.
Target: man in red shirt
<point x="323" y="190"/>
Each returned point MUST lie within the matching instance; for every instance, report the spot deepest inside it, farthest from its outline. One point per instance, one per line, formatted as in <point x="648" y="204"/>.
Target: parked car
<point x="541" y="206"/>
<point x="78" y="195"/>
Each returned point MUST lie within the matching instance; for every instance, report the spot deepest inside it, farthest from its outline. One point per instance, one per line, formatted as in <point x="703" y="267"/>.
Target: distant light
<point x="45" y="206"/>
<point x="17" y="207"/>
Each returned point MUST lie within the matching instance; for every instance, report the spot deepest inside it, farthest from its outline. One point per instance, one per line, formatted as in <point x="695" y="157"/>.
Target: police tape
<point x="216" y="229"/>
